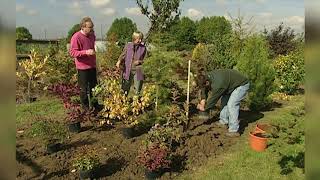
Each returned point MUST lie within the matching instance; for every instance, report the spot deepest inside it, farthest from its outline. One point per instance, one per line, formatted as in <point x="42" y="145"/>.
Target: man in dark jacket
<point x="231" y="87"/>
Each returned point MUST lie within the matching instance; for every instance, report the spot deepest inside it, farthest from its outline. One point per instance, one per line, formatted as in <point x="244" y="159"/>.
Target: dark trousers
<point x="126" y="84"/>
<point x="87" y="79"/>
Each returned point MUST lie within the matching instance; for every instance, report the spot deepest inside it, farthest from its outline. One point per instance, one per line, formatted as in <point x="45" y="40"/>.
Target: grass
<point x="283" y="159"/>
<point x="46" y="107"/>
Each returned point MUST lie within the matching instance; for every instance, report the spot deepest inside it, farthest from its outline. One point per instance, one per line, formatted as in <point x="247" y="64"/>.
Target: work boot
<point x="233" y="134"/>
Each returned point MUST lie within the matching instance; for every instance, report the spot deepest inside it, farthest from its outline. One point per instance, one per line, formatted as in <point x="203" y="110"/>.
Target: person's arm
<point x="204" y="94"/>
<point x="74" y="50"/>
<point x="122" y="56"/>
<point x="216" y="94"/>
<point x="140" y="61"/>
<point x="143" y="56"/>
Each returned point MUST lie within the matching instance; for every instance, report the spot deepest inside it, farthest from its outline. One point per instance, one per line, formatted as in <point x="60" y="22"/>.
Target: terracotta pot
<point x="262" y="128"/>
<point x="257" y="141"/>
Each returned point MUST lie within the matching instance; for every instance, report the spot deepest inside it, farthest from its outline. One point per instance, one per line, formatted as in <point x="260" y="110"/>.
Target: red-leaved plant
<point x="65" y="92"/>
<point x="155" y="157"/>
<point x="111" y="73"/>
<point x="74" y="112"/>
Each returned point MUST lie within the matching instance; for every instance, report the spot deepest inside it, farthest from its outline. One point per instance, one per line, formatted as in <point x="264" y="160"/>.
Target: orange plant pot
<point x="257" y="143"/>
<point x="262" y="128"/>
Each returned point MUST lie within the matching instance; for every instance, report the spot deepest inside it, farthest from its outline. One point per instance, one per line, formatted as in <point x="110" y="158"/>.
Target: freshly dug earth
<point x="118" y="154"/>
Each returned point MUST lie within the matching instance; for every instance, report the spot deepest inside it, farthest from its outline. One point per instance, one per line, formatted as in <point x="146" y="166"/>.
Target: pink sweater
<point x="78" y="46"/>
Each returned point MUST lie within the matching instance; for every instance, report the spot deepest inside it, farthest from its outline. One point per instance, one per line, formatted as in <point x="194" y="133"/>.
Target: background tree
<point x="113" y="52"/>
<point x="60" y="65"/>
<point x="183" y="34"/>
<point x="242" y="29"/>
<point x="216" y="33"/>
<point x="212" y="29"/>
<point x="221" y="55"/>
<point x="281" y="40"/>
<point x="23" y="33"/>
<point x="161" y="13"/>
<point x="75" y="28"/>
<point x="122" y="30"/>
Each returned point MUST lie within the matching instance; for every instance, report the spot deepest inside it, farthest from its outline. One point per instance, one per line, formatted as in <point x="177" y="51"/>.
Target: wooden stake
<point x="188" y="90"/>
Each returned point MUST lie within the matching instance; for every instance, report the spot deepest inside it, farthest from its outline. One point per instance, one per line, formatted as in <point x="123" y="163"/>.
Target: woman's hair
<point x="137" y="35"/>
<point x="84" y="20"/>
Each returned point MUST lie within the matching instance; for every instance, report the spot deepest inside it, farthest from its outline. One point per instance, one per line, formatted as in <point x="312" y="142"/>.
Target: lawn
<point x="283" y="159"/>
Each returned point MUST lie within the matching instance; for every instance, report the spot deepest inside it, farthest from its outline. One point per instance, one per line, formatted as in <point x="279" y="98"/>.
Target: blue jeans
<point x="230" y="104"/>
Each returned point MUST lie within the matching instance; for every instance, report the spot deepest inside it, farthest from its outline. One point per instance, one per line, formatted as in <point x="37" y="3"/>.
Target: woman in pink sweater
<point x="82" y="50"/>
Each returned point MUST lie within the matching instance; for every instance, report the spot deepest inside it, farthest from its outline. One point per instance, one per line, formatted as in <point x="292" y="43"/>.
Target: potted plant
<point x="164" y="134"/>
<point x="69" y="93"/>
<point x="155" y="158"/>
<point x="54" y="137"/>
<point x="86" y="162"/>
<point x="34" y="70"/>
<point x="51" y="133"/>
<point x="74" y="116"/>
<point x="117" y="106"/>
<point x="90" y="115"/>
<point x="138" y="106"/>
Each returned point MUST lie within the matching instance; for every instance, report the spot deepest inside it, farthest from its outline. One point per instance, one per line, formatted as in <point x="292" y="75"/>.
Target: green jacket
<point x="223" y="82"/>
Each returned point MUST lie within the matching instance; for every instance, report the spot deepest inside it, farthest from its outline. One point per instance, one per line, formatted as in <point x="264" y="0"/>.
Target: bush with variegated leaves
<point x="32" y="71"/>
<point x="290" y="72"/>
<point x="118" y="106"/>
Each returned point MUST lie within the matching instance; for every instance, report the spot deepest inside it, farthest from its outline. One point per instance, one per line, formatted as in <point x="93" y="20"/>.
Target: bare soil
<point x="117" y="153"/>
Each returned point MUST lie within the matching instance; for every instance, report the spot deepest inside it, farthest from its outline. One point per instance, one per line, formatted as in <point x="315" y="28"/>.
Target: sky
<point x="54" y="18"/>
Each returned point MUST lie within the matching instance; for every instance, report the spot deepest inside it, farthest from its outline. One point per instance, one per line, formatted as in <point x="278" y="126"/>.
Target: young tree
<point x="160" y="68"/>
<point x="33" y="71"/>
<point x="161" y="13"/>
<point x="122" y="30"/>
<point x="254" y="64"/>
<point x="75" y="28"/>
<point x="23" y="33"/>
